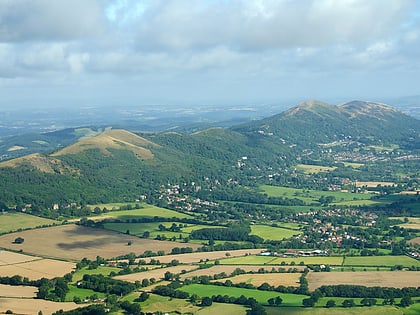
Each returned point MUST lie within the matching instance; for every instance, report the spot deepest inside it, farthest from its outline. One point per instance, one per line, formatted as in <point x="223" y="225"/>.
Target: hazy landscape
<point x="209" y="157"/>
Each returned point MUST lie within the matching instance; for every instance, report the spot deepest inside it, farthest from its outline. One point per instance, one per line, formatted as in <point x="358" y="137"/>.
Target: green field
<point x="377" y="310"/>
<point x="157" y="303"/>
<point x="153" y="228"/>
<point x="261" y="296"/>
<point x="13" y="221"/>
<point x="272" y="233"/>
<point x="311" y="197"/>
<point x="313" y="169"/>
<point x="82" y="293"/>
<point x="271" y="260"/>
<point x="101" y="270"/>
<point x="146" y="210"/>
<point x="381" y="261"/>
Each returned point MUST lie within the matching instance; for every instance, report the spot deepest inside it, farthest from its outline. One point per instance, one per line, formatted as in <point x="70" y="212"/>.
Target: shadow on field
<point x="86" y="244"/>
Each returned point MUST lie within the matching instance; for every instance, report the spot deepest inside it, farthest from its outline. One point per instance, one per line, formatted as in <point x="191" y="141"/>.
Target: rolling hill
<point x="115" y="165"/>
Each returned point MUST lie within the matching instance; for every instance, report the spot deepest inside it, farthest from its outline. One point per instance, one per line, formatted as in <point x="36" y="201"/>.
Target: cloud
<point x="44" y="20"/>
<point x="261" y="25"/>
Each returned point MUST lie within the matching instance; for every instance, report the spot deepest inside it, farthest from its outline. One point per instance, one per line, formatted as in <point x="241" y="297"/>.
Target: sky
<point x="71" y="53"/>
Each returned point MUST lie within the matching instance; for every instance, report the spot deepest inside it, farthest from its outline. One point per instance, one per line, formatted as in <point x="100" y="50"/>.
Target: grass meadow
<point x="13" y="221"/>
<point x="145" y="210"/>
<point x="272" y="233"/>
<point x="381" y="261"/>
<point x="261" y="296"/>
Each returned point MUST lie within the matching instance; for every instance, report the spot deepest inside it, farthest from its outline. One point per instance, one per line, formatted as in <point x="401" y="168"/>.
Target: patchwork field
<point x="10" y="291"/>
<point x="204" y="256"/>
<point x="274" y="279"/>
<point x="158" y="273"/>
<point x="14" y="221"/>
<point x="394" y="279"/>
<point x="73" y="242"/>
<point x="33" y="306"/>
<point x="413" y="223"/>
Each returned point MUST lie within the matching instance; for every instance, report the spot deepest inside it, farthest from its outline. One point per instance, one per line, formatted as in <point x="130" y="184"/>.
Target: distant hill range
<point x="314" y="122"/>
<point x="101" y="165"/>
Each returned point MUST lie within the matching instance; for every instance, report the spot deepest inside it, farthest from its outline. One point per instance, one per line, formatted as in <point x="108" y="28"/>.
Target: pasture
<point x="272" y="233"/>
<point x="311" y="197"/>
<point x="158" y="273"/>
<point x="393" y="279"/>
<point x="73" y="242"/>
<point x="145" y="210"/>
<point x="381" y="261"/>
<point x="274" y="279"/>
<point x="153" y="228"/>
<point x="377" y="310"/>
<point x="314" y="169"/>
<point x="413" y="223"/>
<point x="101" y="270"/>
<point x="261" y="296"/>
<point x="157" y="303"/>
<point x="13" y="221"/>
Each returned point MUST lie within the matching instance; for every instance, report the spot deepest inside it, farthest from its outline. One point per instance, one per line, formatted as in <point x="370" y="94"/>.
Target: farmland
<point x="13" y="221"/>
<point x="158" y="273"/>
<point x="381" y="261"/>
<point x="312" y="197"/>
<point x="392" y="279"/>
<point x="17" y="291"/>
<point x="37" y="269"/>
<point x="260" y="296"/>
<point x="32" y="306"/>
<point x="145" y="210"/>
<point x="272" y="233"/>
<point x="73" y="242"/>
<point x="274" y="279"/>
<point x="273" y="260"/>
<point x="205" y="256"/>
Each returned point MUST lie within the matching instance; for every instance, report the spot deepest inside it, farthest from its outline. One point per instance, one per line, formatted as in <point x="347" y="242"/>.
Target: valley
<point x="313" y="210"/>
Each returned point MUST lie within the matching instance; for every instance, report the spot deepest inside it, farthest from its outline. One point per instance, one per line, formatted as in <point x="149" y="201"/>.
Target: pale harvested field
<point x="37" y="269"/>
<point x="394" y="279"/>
<point x="73" y="242"/>
<point x="415" y="241"/>
<point x="373" y="184"/>
<point x="274" y="279"/>
<point x="10" y="258"/>
<point x="203" y="256"/>
<point x="155" y="273"/>
<point x="228" y="269"/>
<point x="32" y="306"/>
<point x="17" y="291"/>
